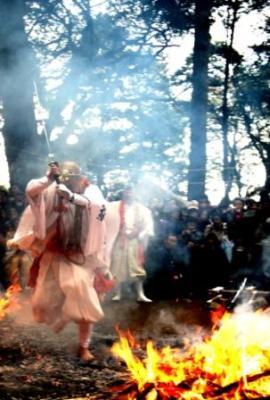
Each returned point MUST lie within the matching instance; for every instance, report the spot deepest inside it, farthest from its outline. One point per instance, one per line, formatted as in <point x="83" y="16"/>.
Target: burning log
<point x="234" y="385"/>
<point x="148" y="388"/>
<point x="173" y="392"/>
<point x="126" y="388"/>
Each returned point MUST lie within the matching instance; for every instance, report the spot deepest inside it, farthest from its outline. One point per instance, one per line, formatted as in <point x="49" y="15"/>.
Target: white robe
<point x="131" y="242"/>
<point x="64" y="289"/>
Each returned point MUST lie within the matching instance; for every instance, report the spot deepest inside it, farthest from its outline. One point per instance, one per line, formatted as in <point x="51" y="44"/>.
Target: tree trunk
<point x="228" y="172"/>
<point x="198" y="118"/>
<point x="16" y="67"/>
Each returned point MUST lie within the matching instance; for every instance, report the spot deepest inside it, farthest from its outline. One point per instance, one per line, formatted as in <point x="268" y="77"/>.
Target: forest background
<point x="168" y="92"/>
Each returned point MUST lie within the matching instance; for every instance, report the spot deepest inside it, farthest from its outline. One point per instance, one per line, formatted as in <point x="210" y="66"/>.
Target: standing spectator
<point x="191" y="238"/>
<point x="213" y="267"/>
<point x="135" y="228"/>
<point x="236" y="233"/>
<point x="219" y="228"/>
<point x="173" y="276"/>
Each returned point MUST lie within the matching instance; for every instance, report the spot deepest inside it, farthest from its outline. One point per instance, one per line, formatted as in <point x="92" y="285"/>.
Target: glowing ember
<point x="9" y="301"/>
<point x="233" y="363"/>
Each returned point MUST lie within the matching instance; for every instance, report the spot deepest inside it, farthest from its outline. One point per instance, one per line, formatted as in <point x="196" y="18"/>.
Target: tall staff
<point x="51" y="156"/>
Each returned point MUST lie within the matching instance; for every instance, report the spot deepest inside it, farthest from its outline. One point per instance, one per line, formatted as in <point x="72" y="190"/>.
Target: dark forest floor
<point x="37" y="364"/>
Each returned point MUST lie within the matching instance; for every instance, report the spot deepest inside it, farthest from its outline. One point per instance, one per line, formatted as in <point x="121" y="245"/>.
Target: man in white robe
<point x="64" y="230"/>
<point x="135" y="225"/>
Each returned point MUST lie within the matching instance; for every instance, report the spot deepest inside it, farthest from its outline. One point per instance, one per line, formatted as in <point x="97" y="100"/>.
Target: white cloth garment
<point x="64" y="289"/>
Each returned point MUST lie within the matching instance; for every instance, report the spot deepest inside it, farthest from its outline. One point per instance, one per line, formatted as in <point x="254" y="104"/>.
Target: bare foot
<point x="85" y="354"/>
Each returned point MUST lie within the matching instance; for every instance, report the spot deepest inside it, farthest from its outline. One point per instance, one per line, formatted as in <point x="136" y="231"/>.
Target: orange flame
<point x="9" y="301"/>
<point x="233" y="363"/>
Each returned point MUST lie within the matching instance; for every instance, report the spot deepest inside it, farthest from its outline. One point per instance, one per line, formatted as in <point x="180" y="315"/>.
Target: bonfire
<point x="233" y="362"/>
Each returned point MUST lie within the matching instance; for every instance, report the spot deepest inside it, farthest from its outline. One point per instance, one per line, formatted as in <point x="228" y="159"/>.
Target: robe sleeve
<point x="32" y="221"/>
<point x="93" y="193"/>
<point x="95" y="229"/>
<point x="35" y="196"/>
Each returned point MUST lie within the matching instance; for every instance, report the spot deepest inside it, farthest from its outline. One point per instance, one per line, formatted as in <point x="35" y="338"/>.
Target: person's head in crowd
<point x="204" y="203"/>
<point x="238" y="204"/>
<point x="217" y="222"/>
<point x="191" y="236"/>
<point x="204" y="215"/>
<point x="191" y="225"/>
<point x="170" y="242"/>
<point x="13" y="214"/>
<point x="193" y="209"/>
<point x="251" y="204"/>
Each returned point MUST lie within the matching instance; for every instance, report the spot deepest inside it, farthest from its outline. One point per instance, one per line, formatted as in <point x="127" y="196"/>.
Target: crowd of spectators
<point x="195" y="248"/>
<point x="201" y="247"/>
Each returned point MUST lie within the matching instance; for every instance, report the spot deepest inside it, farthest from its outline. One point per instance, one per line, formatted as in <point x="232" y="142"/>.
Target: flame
<point x="9" y="301"/>
<point x="231" y="363"/>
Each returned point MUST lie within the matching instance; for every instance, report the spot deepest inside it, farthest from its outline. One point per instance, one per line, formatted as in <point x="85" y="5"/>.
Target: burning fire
<point x="9" y="301"/>
<point x="232" y="363"/>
